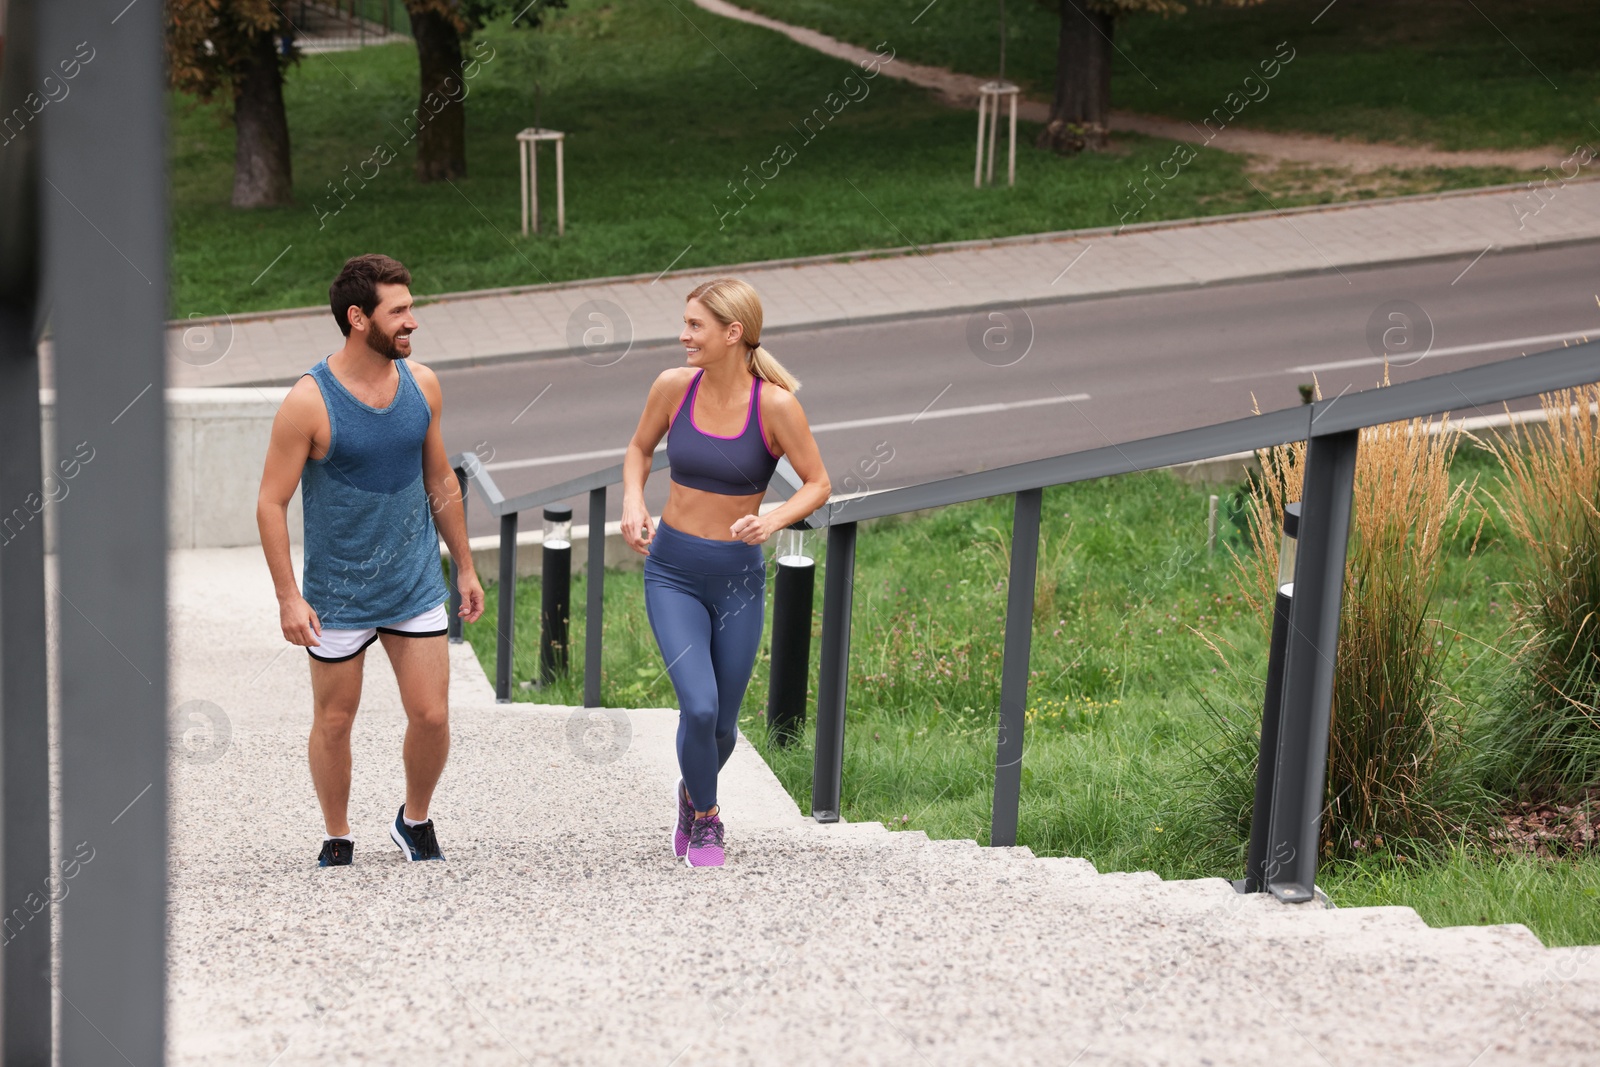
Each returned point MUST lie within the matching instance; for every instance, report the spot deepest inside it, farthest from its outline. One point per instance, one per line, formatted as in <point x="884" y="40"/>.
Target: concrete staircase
<point x="562" y="931"/>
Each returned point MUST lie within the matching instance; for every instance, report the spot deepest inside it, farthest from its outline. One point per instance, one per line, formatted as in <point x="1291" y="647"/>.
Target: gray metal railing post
<point x="25" y="991"/>
<point x="838" y="587"/>
<point x="504" y="645"/>
<point x="1014" y="667"/>
<point x="111" y="530"/>
<point x="1301" y="771"/>
<point x="594" y="618"/>
<point x="455" y="566"/>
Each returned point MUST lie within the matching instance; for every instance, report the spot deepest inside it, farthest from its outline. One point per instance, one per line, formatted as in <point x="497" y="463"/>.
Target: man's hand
<point x="300" y="623"/>
<point x="471" y="596"/>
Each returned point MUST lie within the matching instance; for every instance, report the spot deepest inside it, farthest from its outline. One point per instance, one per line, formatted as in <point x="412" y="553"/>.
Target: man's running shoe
<point x="336" y="852"/>
<point x="416" y="842"/>
<point x="705" y="842"/>
<point x="680" y="836"/>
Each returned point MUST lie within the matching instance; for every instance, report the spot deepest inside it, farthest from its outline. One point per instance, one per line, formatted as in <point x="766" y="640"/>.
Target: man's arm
<point x="444" y="497"/>
<point x="293" y="430"/>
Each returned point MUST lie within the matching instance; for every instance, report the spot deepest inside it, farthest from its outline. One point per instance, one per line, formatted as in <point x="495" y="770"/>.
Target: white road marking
<point x="821" y="427"/>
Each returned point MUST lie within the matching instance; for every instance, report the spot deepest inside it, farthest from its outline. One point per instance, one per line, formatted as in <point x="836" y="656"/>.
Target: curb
<point x="896" y="253"/>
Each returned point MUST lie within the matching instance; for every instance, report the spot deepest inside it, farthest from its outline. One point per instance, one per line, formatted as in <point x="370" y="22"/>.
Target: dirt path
<point x="961" y="90"/>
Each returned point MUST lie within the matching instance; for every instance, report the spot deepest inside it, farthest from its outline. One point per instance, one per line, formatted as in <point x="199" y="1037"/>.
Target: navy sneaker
<point x="416" y="842"/>
<point x="336" y="852"/>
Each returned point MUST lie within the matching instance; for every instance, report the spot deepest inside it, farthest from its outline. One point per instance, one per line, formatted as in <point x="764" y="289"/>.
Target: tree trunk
<point x="261" y="169"/>
<point x="440" y="121"/>
<point x="1082" y="105"/>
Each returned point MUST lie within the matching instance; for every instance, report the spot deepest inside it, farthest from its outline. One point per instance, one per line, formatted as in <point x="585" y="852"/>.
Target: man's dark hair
<point x="358" y="284"/>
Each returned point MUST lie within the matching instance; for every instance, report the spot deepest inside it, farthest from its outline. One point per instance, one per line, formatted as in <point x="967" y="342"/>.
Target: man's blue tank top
<point x="371" y="549"/>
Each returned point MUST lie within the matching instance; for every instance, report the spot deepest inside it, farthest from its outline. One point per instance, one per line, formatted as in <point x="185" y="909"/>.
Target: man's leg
<point x="422" y="668"/>
<point x="336" y="693"/>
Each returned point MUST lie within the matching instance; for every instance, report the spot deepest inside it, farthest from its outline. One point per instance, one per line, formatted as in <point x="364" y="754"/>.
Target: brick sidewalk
<point x="552" y="320"/>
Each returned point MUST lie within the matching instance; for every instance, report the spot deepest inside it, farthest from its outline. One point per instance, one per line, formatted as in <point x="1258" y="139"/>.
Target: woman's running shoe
<point x="705" y="842"/>
<point x="680" y="835"/>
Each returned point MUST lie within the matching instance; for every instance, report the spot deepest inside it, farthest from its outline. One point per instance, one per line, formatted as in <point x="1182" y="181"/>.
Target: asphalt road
<point x="952" y="394"/>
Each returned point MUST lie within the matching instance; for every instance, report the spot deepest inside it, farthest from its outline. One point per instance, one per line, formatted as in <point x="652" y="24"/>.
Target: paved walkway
<point x="549" y="321"/>
<point x="561" y="931"/>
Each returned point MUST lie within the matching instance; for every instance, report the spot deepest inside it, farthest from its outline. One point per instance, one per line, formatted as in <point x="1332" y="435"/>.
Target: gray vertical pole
<point x="105" y="220"/>
<point x="1014" y="668"/>
<point x="1313" y="643"/>
<point x="838" y="587"/>
<point x="25" y="992"/>
<point x="503" y="644"/>
<point x="594" y="621"/>
<point x="455" y="566"/>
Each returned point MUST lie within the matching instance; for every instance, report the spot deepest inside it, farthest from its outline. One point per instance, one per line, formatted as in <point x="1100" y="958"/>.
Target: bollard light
<point x="792" y="598"/>
<point x="1257" y="860"/>
<point x="556" y="583"/>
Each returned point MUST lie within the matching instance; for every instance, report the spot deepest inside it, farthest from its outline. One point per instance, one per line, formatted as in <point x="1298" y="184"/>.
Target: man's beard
<point x="384" y="343"/>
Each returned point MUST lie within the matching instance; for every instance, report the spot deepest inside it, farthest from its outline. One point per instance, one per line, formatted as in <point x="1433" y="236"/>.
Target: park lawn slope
<point x="668" y="140"/>
<point x="1488" y="74"/>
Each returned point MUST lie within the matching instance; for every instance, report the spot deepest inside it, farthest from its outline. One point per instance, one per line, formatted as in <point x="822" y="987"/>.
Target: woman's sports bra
<point x="733" y="466"/>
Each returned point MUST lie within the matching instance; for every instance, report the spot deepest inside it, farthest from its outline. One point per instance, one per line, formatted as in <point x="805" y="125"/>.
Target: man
<point x="359" y="434"/>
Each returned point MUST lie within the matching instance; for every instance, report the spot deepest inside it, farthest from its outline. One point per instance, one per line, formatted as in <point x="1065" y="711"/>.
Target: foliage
<point x="1546" y="726"/>
<point x="469" y="15"/>
<point x="1394" y="767"/>
<point x="209" y="43"/>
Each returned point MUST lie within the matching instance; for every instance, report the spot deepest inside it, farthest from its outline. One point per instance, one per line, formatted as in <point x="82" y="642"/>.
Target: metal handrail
<point x="470" y="470"/>
<point x="1331" y="428"/>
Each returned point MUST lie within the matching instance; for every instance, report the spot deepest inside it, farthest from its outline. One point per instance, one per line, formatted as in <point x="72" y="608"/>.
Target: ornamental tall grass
<point x="1545" y="726"/>
<point x="1394" y="742"/>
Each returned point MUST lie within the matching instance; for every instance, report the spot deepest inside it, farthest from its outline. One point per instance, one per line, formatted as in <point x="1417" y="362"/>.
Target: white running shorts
<point x="336" y="646"/>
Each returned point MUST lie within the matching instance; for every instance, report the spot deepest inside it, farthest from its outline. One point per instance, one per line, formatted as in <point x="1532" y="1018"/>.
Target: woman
<point x="727" y="416"/>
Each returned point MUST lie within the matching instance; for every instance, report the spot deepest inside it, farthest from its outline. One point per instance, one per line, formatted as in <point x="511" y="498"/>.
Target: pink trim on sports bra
<point x="695" y="387"/>
<point x="675" y="411"/>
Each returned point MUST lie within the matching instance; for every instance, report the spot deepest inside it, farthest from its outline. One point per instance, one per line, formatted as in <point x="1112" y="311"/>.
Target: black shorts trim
<point x="413" y="633"/>
<point x="341" y="659"/>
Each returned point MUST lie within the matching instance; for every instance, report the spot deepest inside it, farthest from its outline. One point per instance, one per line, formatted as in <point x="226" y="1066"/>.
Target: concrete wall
<point x="216" y="445"/>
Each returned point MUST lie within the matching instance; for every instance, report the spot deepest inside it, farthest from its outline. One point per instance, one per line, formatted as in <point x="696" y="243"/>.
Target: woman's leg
<point x="682" y="626"/>
<point x="736" y="619"/>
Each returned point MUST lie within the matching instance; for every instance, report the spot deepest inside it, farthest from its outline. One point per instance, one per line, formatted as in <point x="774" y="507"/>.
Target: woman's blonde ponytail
<point x="732" y="300"/>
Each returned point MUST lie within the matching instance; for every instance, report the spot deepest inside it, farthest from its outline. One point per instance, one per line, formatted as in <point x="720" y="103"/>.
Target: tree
<point x="1081" y="110"/>
<point x="214" y="45"/>
<point x="441" y="115"/>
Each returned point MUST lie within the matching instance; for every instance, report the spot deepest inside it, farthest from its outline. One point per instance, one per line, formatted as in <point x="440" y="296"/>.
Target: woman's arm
<point x="781" y="411"/>
<point x="654" y="421"/>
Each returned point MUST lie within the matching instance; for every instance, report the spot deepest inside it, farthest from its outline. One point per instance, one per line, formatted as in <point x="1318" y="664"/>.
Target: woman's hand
<point x="636" y="527"/>
<point x="752" y="529"/>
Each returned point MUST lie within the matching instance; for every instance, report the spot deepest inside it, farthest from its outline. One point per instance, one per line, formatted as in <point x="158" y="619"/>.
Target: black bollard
<point x="556" y="585"/>
<point x="791" y="645"/>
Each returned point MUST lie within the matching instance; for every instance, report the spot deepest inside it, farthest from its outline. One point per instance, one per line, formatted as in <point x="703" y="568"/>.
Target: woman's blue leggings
<point x="704" y="599"/>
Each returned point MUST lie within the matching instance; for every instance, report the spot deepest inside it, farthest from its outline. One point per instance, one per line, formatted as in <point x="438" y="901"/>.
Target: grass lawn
<point x="659" y="124"/>
<point x="1114" y="703"/>
<point x="1489" y="74"/>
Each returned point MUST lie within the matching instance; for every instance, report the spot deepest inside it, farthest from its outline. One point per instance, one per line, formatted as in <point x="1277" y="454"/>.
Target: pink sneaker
<point x="680" y="835"/>
<point x="705" y="843"/>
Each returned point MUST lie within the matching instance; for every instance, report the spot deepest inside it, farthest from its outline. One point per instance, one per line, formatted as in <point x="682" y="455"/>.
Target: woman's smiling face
<point x="704" y="339"/>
